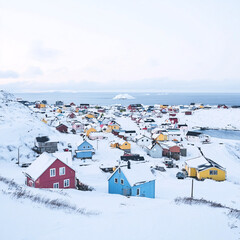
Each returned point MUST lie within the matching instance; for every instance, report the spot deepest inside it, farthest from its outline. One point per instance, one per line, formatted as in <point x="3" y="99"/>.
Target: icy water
<point x="106" y="98"/>
<point x="224" y="134"/>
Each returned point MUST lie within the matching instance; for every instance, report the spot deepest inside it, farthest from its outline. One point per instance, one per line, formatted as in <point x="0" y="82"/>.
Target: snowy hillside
<point x="213" y="118"/>
<point x="18" y="127"/>
<point x="32" y="213"/>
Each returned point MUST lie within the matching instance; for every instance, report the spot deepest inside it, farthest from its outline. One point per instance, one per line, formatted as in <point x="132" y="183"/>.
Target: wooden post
<point x="192" y="190"/>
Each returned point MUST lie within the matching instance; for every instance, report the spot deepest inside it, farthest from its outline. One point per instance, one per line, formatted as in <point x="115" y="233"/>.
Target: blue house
<point x="132" y="180"/>
<point x="84" y="150"/>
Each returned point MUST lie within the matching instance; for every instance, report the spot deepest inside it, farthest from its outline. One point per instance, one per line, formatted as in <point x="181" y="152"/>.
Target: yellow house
<point x="90" y="115"/>
<point x="203" y="168"/>
<point x="40" y="105"/>
<point x="44" y="120"/>
<point x="160" y="137"/>
<point x="121" y="144"/>
<point x="59" y="110"/>
<point x="108" y="130"/>
<point x="163" y="106"/>
<point x="192" y="172"/>
<point x="113" y="126"/>
<point x="125" y="146"/>
<point x="88" y="131"/>
<point x="216" y="173"/>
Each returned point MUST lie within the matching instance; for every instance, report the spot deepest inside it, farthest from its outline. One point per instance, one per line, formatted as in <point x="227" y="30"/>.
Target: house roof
<point x="191" y="133"/>
<point x="168" y="144"/>
<point x="130" y="131"/>
<point x="42" y="139"/>
<point x="141" y="136"/>
<point x="37" y="168"/>
<point x="198" y="161"/>
<point x="211" y="164"/>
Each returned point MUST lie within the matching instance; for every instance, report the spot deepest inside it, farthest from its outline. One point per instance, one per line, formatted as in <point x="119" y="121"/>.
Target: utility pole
<point x="97" y="144"/>
<point x="192" y="190"/>
<point x="18" y="156"/>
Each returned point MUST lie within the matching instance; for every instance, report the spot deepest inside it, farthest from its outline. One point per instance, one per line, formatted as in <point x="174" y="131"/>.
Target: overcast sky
<point x="127" y="45"/>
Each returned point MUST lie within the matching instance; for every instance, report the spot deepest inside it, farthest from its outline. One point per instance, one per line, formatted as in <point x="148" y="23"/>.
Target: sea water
<point x="106" y="98"/>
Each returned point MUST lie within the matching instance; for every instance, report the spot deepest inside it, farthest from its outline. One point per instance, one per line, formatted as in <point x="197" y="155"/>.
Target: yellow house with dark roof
<point x="204" y="168"/>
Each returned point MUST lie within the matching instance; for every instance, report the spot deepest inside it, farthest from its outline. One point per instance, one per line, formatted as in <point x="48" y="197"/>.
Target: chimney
<point x="128" y="165"/>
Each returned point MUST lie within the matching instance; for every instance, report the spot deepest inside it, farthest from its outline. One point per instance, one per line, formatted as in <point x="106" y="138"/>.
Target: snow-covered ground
<point x="106" y="216"/>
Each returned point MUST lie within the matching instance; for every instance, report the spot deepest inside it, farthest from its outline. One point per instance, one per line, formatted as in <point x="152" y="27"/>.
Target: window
<point x="66" y="183"/>
<point x="56" y="185"/>
<point x="62" y="171"/>
<point x="213" y="172"/>
<point x="138" y="191"/>
<point x="122" y="181"/>
<point x="115" y="180"/>
<point x="52" y="172"/>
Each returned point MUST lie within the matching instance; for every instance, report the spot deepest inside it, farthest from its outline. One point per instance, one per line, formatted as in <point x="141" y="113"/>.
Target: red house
<point x="62" y="128"/>
<point x="173" y="120"/>
<point x="134" y="107"/>
<point x="171" y="150"/>
<point x="188" y="113"/>
<point x="51" y="171"/>
<point x="72" y="115"/>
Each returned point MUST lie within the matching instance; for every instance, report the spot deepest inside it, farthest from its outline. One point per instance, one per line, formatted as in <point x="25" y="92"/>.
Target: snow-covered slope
<point x="213" y="118"/>
<point x="18" y="129"/>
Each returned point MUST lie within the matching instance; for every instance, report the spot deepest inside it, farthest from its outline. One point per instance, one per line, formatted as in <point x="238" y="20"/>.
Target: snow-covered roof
<point x="168" y="144"/>
<point x="137" y="174"/>
<point x="121" y="141"/>
<point x="45" y="160"/>
<point x="155" y="135"/>
<point x="196" y="162"/>
<point x="140" y="137"/>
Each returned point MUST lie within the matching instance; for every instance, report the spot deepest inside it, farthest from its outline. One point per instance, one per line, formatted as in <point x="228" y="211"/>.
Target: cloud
<point x="144" y="85"/>
<point x="33" y="72"/>
<point x="41" y="53"/>
<point x="9" y="74"/>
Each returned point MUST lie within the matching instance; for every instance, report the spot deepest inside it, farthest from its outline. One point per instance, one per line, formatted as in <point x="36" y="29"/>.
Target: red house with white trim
<point x="51" y="171"/>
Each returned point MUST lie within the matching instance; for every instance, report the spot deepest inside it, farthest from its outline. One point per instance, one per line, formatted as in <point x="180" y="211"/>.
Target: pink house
<point x="51" y="171"/>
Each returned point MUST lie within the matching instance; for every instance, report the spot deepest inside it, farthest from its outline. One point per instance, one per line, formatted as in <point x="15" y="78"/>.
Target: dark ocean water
<point x="106" y="98"/>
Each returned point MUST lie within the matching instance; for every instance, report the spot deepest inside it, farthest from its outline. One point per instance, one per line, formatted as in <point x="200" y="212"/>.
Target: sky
<point x="127" y="45"/>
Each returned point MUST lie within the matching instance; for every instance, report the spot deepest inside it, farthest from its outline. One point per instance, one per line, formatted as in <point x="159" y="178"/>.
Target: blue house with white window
<point x="132" y="180"/>
<point x="84" y="150"/>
